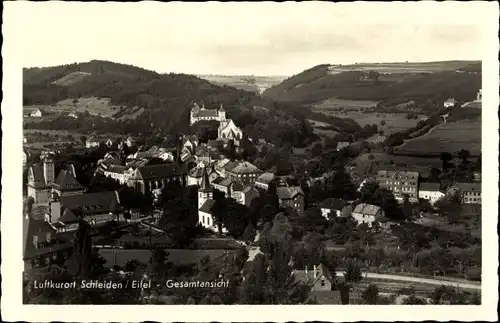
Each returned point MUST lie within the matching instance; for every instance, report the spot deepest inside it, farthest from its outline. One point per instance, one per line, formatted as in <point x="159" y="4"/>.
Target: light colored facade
<point x="200" y="113"/>
<point x="244" y="194"/>
<point x="400" y="183"/>
<point x="449" y="103"/>
<point x="331" y="207"/>
<point x="470" y="193"/>
<point x="92" y="142"/>
<point x="229" y="131"/>
<point x="430" y="192"/>
<point x="264" y="180"/>
<point x="36" y="114"/>
<point x="242" y="171"/>
<point x="367" y="213"/>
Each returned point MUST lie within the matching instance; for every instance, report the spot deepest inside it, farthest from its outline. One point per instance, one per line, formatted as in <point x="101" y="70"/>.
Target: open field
<point x="367" y="166"/>
<point x="403" y="67"/>
<point x="450" y="137"/>
<point x="248" y="83"/>
<point x="469" y="220"/>
<point x="93" y="105"/>
<point x="71" y="78"/>
<point x="345" y="104"/>
<point x="393" y="122"/>
<point x="317" y="125"/>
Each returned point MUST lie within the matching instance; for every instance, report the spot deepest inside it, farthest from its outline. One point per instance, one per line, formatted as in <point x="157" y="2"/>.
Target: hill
<point x="165" y="100"/>
<point x="249" y="83"/>
<point x="388" y="84"/>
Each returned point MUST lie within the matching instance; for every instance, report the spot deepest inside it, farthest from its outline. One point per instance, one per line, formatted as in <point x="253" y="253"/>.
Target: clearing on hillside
<point x="71" y="78"/>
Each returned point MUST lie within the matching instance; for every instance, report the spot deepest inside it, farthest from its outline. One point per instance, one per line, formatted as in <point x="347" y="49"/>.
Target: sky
<point x="244" y="38"/>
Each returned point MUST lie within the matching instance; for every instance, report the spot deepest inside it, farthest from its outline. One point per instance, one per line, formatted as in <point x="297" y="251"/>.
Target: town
<point x="215" y="202"/>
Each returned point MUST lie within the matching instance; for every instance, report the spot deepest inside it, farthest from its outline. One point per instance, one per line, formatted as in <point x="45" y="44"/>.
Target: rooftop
<point x="207" y="206"/>
<point x="242" y="167"/>
<point x="332" y="204"/>
<point x="159" y="171"/>
<point x="368" y="209"/>
<point x="265" y="178"/>
<point x="395" y="174"/>
<point x="289" y="192"/>
<point x="90" y="203"/>
<point x="432" y="187"/>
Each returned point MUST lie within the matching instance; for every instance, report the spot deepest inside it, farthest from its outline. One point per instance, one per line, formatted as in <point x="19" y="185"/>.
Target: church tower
<point x="48" y="170"/>
<point x="205" y="192"/>
<point x="222" y="113"/>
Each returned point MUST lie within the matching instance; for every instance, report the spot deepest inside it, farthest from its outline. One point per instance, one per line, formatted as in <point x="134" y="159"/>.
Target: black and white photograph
<point x="305" y="154"/>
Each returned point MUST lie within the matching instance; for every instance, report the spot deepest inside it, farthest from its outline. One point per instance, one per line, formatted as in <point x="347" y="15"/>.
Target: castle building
<point x="200" y="113"/>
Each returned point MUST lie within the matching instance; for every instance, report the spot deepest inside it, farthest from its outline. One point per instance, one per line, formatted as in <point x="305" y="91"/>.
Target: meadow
<point x="450" y="137"/>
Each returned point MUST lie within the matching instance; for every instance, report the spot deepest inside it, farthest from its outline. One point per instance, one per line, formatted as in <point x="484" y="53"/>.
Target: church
<point x="229" y="131"/>
<point x="200" y="113"/>
<point x="206" y="203"/>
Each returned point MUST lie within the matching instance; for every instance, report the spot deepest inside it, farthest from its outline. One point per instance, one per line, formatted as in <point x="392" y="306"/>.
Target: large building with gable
<point x="201" y="113"/>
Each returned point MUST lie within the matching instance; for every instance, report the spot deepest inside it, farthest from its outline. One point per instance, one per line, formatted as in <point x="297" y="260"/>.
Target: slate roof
<point x="90" y="203"/>
<point x="265" y="178"/>
<point x="40" y="228"/>
<point x="433" y="187"/>
<point x="207" y="113"/>
<point x="249" y="188"/>
<point x="242" y="167"/>
<point x="288" y="192"/>
<point x="68" y="216"/>
<point x="159" y="171"/>
<point x="308" y="278"/>
<point x="65" y="181"/>
<point x="332" y="204"/>
<point x="367" y="209"/>
<point x="397" y="174"/>
<point x="207" y="206"/>
<point x="39" y="180"/>
<point x="226" y="182"/>
<point x="469" y="187"/>
<point x="116" y="169"/>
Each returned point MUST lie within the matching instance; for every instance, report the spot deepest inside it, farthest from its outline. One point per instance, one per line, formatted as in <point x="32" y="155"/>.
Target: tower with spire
<point x="205" y="192"/>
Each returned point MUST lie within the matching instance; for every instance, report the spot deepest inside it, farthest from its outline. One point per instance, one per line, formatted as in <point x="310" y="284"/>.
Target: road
<point x="417" y="280"/>
<point x="426" y="133"/>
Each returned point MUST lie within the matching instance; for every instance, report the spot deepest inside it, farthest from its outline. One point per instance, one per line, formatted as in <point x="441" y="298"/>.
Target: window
<point x="323" y="283"/>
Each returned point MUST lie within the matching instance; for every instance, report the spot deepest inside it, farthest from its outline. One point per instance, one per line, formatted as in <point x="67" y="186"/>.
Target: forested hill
<point x="390" y="83"/>
<point x="166" y="98"/>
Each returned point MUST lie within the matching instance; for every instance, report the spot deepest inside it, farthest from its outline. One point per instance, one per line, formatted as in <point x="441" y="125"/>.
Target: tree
<point x="445" y="157"/>
<point x="317" y="150"/>
<point x="83" y="139"/>
<point x="463" y="155"/>
<point x="156" y="264"/>
<point x="352" y="273"/>
<point x="80" y="265"/>
<point x="370" y="295"/>
<point x="249" y="234"/>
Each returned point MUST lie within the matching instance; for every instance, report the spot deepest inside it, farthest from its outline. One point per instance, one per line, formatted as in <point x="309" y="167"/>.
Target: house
<point x="331" y="207"/>
<point x="220" y="166"/>
<point x="66" y="183"/>
<point x="244" y="194"/>
<point x="229" y="131"/>
<point x="430" y="192"/>
<point x="200" y="113"/>
<point x="130" y="142"/>
<point x="165" y="154"/>
<point x="195" y="175"/>
<point x="367" y="213"/>
<point x="65" y="212"/>
<point x="42" y="245"/>
<point x="147" y="178"/>
<point x="322" y="284"/>
<point x="190" y="142"/>
<point x="73" y="115"/>
<point x="449" y="103"/>
<point x="117" y="172"/>
<point x="223" y="184"/>
<point x="243" y="171"/>
<point x="36" y="113"/>
<point x="264" y="180"/>
<point x="342" y="145"/>
<point x="92" y="142"/>
<point x="292" y="197"/>
<point x="470" y="193"/>
<point x="400" y="183"/>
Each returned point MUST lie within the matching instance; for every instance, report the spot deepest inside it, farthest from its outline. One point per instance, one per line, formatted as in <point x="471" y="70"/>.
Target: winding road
<point x="417" y="280"/>
<point x="425" y="134"/>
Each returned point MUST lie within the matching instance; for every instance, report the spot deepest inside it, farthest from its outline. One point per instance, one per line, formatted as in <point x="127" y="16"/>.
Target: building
<point x="264" y="180"/>
<point x="367" y="213"/>
<point x="42" y="181"/>
<point x="430" y="192"/>
<point x="205" y="205"/>
<point x="200" y="113"/>
<point x="92" y="142"/>
<point x="292" y="197"/>
<point x="130" y="142"/>
<point x="65" y="212"/>
<point x="223" y="185"/>
<point x="322" y="284"/>
<point x="229" y="131"/>
<point x="147" y="178"/>
<point x="470" y="193"/>
<point x="117" y="172"/>
<point x="242" y="171"/>
<point x="342" y="145"/>
<point x="449" y="103"/>
<point x="36" y="113"/>
<point x="42" y="245"/>
<point x="195" y="175"/>
<point x="190" y="142"/>
<point x="331" y="207"/>
<point x="244" y="194"/>
<point x="400" y="183"/>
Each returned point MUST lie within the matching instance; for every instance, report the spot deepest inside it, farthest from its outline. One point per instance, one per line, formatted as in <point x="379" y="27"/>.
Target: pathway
<point x="425" y="134"/>
<point x="417" y="280"/>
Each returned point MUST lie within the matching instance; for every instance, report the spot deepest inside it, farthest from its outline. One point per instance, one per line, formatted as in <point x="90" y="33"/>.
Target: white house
<point x="449" y="103"/>
<point x="36" y="113"/>
<point x="331" y="207"/>
<point x="430" y="192"/>
<point x="367" y="213"/>
<point x="92" y="142"/>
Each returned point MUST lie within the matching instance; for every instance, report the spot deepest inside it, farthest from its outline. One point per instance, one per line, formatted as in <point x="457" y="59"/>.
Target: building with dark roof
<point x="332" y="207"/>
<point x="400" y="183"/>
<point x="244" y="194"/>
<point x="367" y="213"/>
<point x="147" y="178"/>
<point x="200" y="113"/>
<point x="242" y="171"/>
<point x="322" y="284"/>
<point x="292" y="197"/>
<point x="264" y="180"/>
<point x="470" y="193"/>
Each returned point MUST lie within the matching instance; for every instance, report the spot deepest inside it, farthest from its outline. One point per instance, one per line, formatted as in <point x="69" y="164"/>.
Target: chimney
<point x="55" y="211"/>
<point x="35" y="241"/>
<point x="315" y="272"/>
